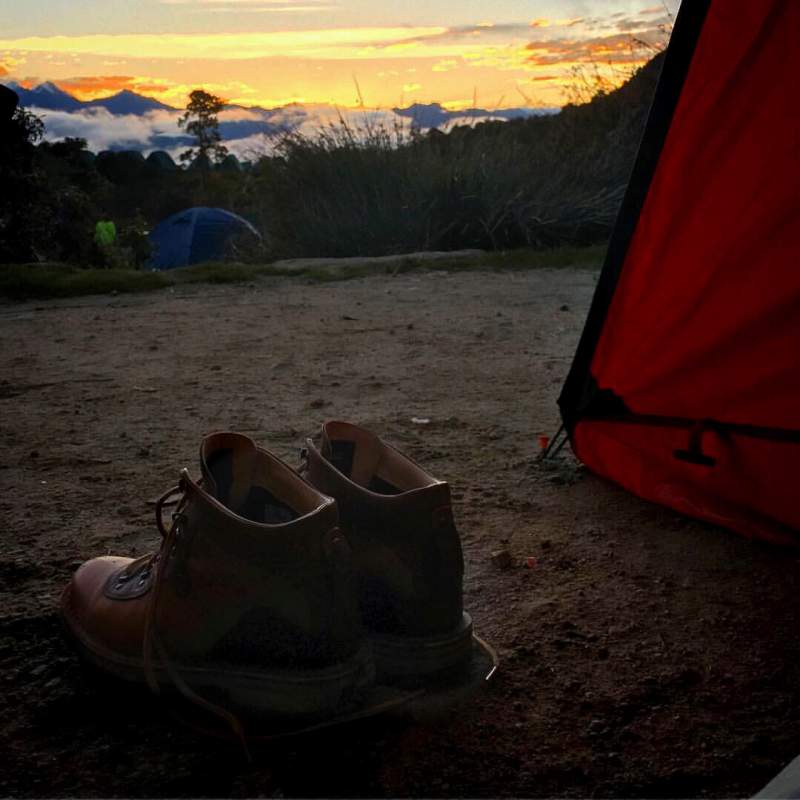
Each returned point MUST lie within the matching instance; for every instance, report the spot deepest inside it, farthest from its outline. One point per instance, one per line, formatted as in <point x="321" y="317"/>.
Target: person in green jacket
<point x="105" y="239"/>
<point x="105" y="233"/>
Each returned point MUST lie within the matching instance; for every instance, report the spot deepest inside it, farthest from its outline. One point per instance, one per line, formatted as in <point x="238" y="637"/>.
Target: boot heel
<point x="297" y="694"/>
<point x="411" y="659"/>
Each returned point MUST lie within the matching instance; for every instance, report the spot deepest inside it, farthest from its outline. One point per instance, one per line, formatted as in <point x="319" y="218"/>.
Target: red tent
<point x="685" y="388"/>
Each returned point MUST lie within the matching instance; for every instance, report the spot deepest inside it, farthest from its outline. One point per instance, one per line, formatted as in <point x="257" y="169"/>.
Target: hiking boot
<point x="250" y="601"/>
<point x="406" y="549"/>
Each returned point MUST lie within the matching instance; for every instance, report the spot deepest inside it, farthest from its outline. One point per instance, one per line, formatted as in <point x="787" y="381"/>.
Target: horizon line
<point x="356" y="107"/>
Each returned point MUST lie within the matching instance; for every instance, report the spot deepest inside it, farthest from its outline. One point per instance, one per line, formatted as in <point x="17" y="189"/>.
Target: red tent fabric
<point x="686" y="385"/>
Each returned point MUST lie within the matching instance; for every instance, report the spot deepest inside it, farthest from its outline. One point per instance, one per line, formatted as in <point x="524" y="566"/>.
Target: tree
<point x="201" y="121"/>
<point x="23" y="216"/>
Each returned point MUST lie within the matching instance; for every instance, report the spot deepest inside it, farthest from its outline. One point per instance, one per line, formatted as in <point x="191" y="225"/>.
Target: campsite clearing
<point x="643" y="653"/>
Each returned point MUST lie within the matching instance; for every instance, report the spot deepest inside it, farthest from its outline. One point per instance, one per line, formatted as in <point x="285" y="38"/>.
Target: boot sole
<point x="415" y="658"/>
<point x="273" y="693"/>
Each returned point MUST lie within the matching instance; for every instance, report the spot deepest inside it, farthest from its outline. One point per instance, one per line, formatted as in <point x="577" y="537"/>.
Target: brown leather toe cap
<point x="109" y="628"/>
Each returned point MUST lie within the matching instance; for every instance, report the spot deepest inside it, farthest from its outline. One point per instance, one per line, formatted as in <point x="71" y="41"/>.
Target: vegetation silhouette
<point x="201" y="120"/>
<point x="346" y="190"/>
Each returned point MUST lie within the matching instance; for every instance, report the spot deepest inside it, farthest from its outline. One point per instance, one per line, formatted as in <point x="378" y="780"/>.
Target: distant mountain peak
<point x="49" y="86"/>
<point x="50" y="97"/>
<point x="414" y="106"/>
<point x="435" y="115"/>
<point x="46" y="95"/>
<point x="128" y="102"/>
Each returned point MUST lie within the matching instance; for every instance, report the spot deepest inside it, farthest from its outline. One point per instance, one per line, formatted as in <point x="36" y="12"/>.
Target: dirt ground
<point x="645" y="655"/>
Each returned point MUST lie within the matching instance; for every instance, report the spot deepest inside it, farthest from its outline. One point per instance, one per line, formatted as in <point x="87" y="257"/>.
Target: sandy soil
<point x="644" y="655"/>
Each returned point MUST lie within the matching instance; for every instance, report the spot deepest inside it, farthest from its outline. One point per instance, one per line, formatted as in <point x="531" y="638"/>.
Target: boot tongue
<point x="354" y="451"/>
<point x="227" y="463"/>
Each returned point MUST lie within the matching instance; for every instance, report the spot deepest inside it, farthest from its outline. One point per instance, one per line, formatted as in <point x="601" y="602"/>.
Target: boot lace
<point x="302" y="470"/>
<point x="154" y="651"/>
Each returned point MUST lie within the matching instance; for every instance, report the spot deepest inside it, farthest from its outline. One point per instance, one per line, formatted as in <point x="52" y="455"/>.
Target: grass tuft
<point x="34" y="281"/>
<point x="23" y="281"/>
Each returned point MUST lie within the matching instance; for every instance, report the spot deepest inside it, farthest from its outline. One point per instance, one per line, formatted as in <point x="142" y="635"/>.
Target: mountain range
<point x="48" y="96"/>
<point x="127" y="120"/>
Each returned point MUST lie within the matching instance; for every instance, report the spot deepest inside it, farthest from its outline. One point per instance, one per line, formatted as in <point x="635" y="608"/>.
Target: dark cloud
<point x="635" y="24"/>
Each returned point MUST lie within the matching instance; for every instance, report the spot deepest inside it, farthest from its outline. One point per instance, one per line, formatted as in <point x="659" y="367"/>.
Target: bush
<point x="539" y="182"/>
<point x="23" y="281"/>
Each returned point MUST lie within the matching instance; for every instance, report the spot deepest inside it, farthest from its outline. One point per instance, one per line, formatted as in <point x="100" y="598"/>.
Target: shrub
<point x="368" y="190"/>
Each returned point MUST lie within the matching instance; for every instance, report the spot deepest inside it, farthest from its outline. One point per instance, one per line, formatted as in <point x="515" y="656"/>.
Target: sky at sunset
<point x="272" y="52"/>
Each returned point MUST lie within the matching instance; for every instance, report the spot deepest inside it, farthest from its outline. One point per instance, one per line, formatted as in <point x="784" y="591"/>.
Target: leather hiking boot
<point x="250" y="604"/>
<point x="406" y="549"/>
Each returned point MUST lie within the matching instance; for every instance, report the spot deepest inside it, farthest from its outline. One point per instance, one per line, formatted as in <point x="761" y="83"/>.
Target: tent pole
<point x="551" y="449"/>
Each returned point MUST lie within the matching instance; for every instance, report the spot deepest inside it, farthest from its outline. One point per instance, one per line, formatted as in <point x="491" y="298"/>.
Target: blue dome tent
<point x="195" y="235"/>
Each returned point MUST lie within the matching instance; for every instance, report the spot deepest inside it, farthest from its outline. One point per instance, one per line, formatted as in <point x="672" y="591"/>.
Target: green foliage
<point x="201" y="121"/>
<point x="133" y="241"/>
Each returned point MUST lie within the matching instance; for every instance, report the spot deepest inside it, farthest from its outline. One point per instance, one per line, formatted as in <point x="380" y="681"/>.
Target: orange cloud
<point x="8" y="63"/>
<point x="317" y="66"/>
<point x="92" y="87"/>
<point x="618" y="48"/>
<point x="27" y="83"/>
<point x="543" y="22"/>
